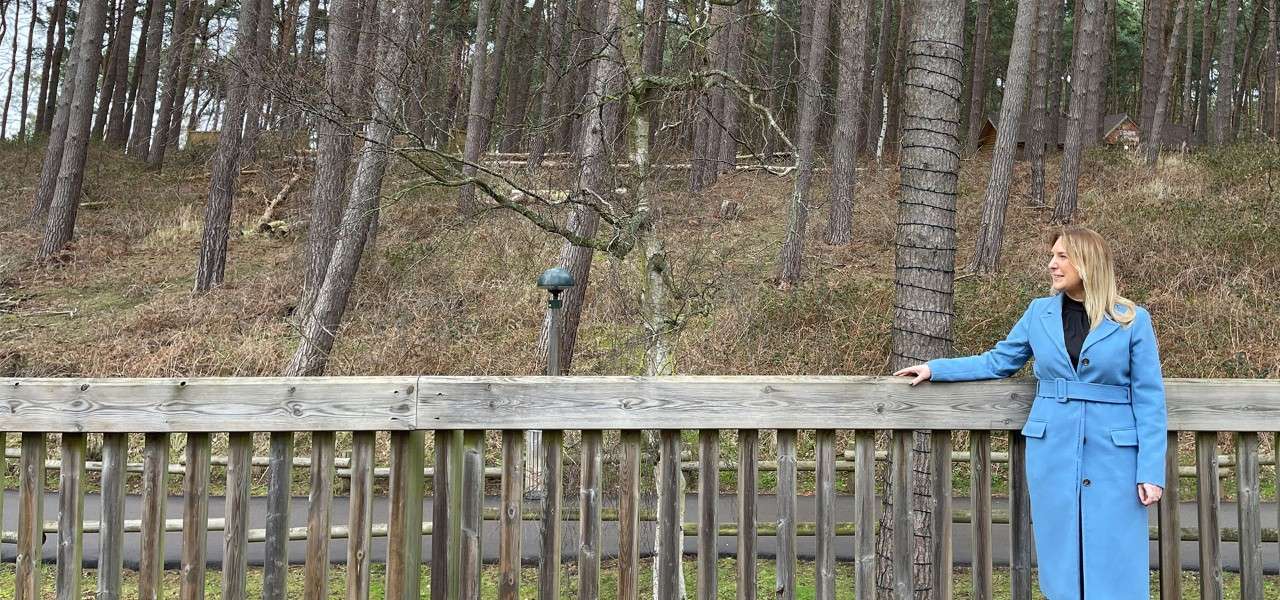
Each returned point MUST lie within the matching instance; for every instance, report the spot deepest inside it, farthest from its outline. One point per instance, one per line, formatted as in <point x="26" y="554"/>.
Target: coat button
<point x="1085" y="362"/>
<point x="1086" y="483"/>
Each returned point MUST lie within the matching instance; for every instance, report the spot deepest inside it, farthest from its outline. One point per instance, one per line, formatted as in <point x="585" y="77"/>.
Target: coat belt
<point x="1066" y="389"/>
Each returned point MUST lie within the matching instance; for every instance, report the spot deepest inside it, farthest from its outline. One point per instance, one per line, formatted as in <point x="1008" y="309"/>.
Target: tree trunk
<point x="115" y="127"/>
<point x="708" y="127"/>
<point x="986" y="256"/>
<point x="1037" y="109"/>
<point x="494" y="66"/>
<point x="1223" y="134"/>
<point x="591" y="182"/>
<point x="320" y="324"/>
<point x="1083" y="57"/>
<point x="59" y="120"/>
<point x="1153" y="48"/>
<point x="1097" y="76"/>
<point x="1056" y="77"/>
<point x="1188" y="107"/>
<point x="844" y="172"/>
<point x="185" y="22"/>
<point x="553" y="80"/>
<point x="70" y="174"/>
<point x="259" y="92"/>
<point x="477" y="121"/>
<point x="1270" y="67"/>
<point x="875" y="109"/>
<point x="333" y="147"/>
<point x="651" y="53"/>
<point x="145" y="103"/>
<point x="978" y="86"/>
<point x="925" y="259"/>
<point x="520" y="74"/>
<point x="13" y="68"/>
<point x="26" y="70"/>
<point x="55" y="20"/>
<point x="893" y="117"/>
<point x="791" y="258"/>
<point x="1166" y="83"/>
<point x="55" y="73"/>
<point x="780" y="57"/>
<point x="1244" y="90"/>
<point x="224" y="173"/>
<point x="107" y="90"/>
<point x="309" y="30"/>
<point x="729" y="109"/>
<point x="1209" y="25"/>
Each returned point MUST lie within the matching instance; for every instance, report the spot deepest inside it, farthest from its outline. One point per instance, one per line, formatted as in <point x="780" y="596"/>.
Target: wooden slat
<point x="509" y="526"/>
<point x="1249" y="516"/>
<point x="785" y="583"/>
<point x="900" y="478"/>
<point x="360" y="516"/>
<point x="440" y="493"/>
<point x="940" y="456"/>
<point x="1020" y="519"/>
<point x="70" y="516"/>
<point x="670" y="503"/>
<point x="30" y="517"/>
<point x="825" y="553"/>
<point x="549" y="525"/>
<point x="115" y="450"/>
<point x="404" y="523"/>
<point x="628" y="518"/>
<point x="748" y="457"/>
<point x="1208" y="497"/>
<point x="807" y="402"/>
<point x="1170" y="560"/>
<point x="235" y="565"/>
<point x="864" y="514"/>
<point x="708" y="498"/>
<point x="980" y="496"/>
<point x="315" y="586"/>
<point x="589" y="517"/>
<point x="208" y="404"/>
<point x="155" y="458"/>
<point x="275" y="568"/>
<point x="195" y="517"/>
<point x="460" y="485"/>
<point x="471" y="495"/>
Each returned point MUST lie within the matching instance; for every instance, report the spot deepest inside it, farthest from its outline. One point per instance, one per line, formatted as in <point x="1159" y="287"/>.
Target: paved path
<point x="726" y="544"/>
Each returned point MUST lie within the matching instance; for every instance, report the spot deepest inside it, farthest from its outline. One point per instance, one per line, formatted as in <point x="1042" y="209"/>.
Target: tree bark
<point x="844" y="172"/>
<point x="55" y="72"/>
<point x="55" y="20"/>
<point x="1153" y="50"/>
<point x="1244" y="91"/>
<point x="494" y="66"/>
<point x="107" y="90"/>
<point x="1223" y="134"/>
<point x="1056" y="77"/>
<point x="553" y="80"/>
<point x="780" y="57"/>
<point x="259" y="90"/>
<point x="521" y="75"/>
<point x="70" y="174"/>
<point x="145" y="103"/>
<point x="1188" y="106"/>
<point x="893" y="116"/>
<point x="736" y="43"/>
<point x="986" y="256"/>
<point x="59" y="120"/>
<point x="875" y="108"/>
<point x="1084" y="55"/>
<point x="185" y="21"/>
<point x="333" y="147"/>
<point x="1271" y="64"/>
<point x="925" y="259"/>
<point x="791" y="257"/>
<point x="1037" y="109"/>
<point x="13" y="68"/>
<point x="320" y="325"/>
<point x="116" y="130"/>
<point x="26" y="70"/>
<point x="978" y="86"/>
<point x="1166" y="83"/>
<point x="1209" y="25"/>
<point x="1098" y="76"/>
<point x="477" y="121"/>
<point x="224" y="173"/>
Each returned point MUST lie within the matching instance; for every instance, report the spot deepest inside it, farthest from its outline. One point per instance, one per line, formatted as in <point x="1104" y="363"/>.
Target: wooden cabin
<point x="1120" y="130"/>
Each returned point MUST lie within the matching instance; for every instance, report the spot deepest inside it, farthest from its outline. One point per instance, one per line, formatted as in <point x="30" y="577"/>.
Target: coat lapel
<point x="1052" y="321"/>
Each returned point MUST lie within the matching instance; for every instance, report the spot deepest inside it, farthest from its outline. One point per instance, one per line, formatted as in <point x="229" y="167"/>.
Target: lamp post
<point x="555" y="280"/>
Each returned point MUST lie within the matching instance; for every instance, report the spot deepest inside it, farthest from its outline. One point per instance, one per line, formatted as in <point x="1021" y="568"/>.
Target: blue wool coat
<point x="1095" y="431"/>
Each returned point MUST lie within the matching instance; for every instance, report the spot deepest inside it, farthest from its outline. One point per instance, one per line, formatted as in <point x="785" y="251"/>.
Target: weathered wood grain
<point x="1208" y="498"/>
<point x="115" y="450"/>
<point x="215" y="404"/>
<point x="1170" y="561"/>
<point x="275" y="570"/>
<point x="785" y="580"/>
<point x="589" y="501"/>
<point x="70" y="516"/>
<point x="628" y="519"/>
<point x="941" y="549"/>
<point x="360" y="516"/>
<point x="748" y="490"/>
<point x="440" y="493"/>
<point x="864" y="514"/>
<point x="980" y="494"/>
<point x="809" y="402"/>
<point x="510" y="524"/>
<point x="471" y="497"/>
<point x="670" y="503"/>
<point x="900" y="488"/>
<point x="459" y="486"/>
<point x="549" y="525"/>
<point x="30" y="517"/>
<point x="404" y="523"/>
<point x="195" y="516"/>
<point x="155" y="455"/>
<point x="315" y="585"/>
<point x="825" y="553"/>
<point x="235" y="565"/>
<point x="708" y="498"/>
<point x="1020" y="519"/>
<point x="1249" y="517"/>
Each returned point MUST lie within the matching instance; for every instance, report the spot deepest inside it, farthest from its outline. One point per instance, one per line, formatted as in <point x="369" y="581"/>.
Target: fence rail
<point x="459" y="410"/>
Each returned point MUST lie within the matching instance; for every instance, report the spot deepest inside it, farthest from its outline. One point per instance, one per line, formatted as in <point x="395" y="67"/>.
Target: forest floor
<point x="1196" y="241"/>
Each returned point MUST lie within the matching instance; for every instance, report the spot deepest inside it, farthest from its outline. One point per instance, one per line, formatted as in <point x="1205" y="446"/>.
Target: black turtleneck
<point x="1075" y="326"/>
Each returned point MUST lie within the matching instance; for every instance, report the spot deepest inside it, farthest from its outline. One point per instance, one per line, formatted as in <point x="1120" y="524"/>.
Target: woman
<point x="1096" y="434"/>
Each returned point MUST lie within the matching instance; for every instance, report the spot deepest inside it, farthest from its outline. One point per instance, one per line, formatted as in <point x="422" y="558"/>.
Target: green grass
<point x="961" y="581"/>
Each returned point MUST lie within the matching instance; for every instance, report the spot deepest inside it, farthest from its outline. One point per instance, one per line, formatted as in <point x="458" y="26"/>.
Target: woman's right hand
<point x="921" y="373"/>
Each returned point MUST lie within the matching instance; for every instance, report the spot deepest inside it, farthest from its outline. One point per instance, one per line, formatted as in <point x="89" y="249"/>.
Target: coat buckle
<point x="1060" y="389"/>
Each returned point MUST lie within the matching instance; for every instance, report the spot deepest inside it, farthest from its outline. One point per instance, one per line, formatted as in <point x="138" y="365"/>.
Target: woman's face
<point x="1064" y="275"/>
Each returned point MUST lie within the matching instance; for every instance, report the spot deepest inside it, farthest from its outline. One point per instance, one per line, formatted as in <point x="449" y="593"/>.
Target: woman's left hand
<point x="1149" y="493"/>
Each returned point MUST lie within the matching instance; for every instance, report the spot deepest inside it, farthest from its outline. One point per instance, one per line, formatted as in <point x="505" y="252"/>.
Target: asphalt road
<point x="767" y="507"/>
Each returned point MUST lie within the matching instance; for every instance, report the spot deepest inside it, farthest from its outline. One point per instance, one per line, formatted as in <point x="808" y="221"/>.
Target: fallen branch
<point x="268" y="215"/>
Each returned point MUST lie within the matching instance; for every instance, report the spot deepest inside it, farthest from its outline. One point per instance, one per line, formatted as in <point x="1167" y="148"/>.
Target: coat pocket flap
<point x="1034" y="429"/>
<point x="1125" y="437"/>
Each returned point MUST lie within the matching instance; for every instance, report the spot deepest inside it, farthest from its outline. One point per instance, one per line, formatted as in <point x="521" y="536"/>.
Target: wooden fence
<point x="458" y="411"/>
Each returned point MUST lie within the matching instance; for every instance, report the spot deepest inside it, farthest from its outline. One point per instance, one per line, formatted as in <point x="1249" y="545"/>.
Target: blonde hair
<point x="1091" y="257"/>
